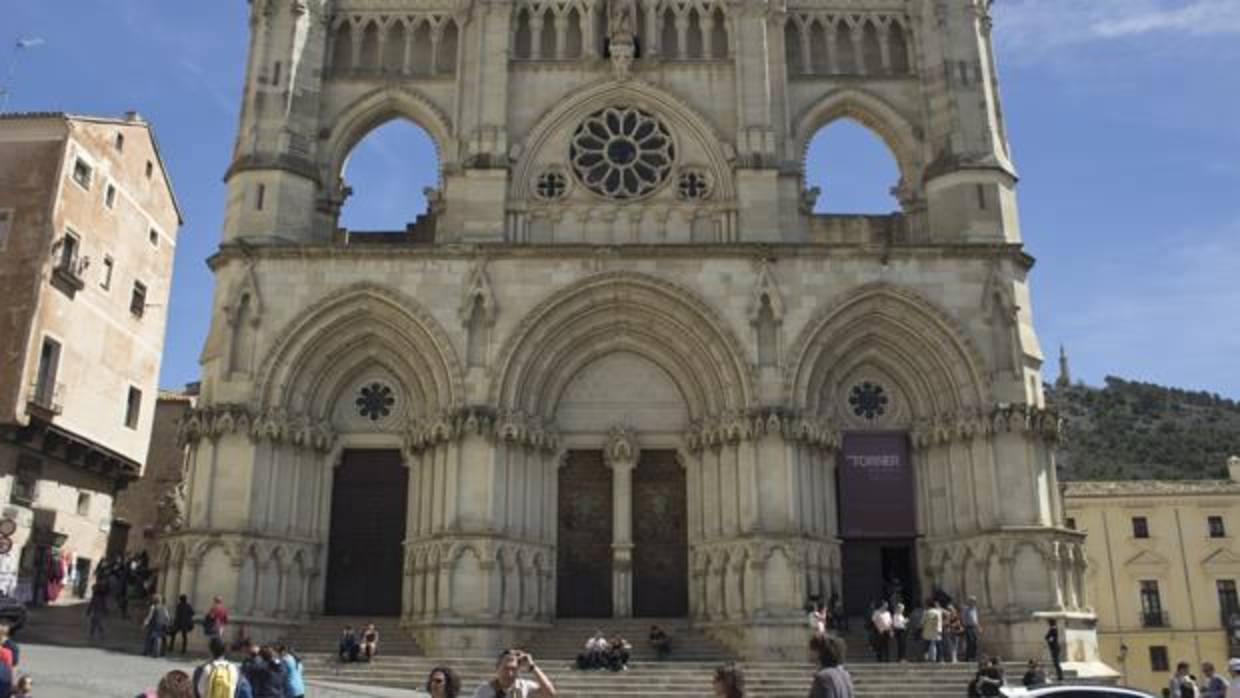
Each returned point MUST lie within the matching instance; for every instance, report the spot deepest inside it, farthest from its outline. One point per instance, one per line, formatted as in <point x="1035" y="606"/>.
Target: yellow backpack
<point x="222" y="681"/>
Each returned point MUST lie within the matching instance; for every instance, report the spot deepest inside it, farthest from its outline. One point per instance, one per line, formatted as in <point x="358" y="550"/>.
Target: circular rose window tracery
<point x="622" y="152"/>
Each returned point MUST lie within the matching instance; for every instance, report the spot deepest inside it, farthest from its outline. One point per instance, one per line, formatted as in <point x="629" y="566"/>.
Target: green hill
<point x="1131" y="431"/>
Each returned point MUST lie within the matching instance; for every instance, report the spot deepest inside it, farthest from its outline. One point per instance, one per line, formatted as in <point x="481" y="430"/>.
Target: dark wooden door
<point x="583" y="542"/>
<point x="660" y="537"/>
<point x="366" y="543"/>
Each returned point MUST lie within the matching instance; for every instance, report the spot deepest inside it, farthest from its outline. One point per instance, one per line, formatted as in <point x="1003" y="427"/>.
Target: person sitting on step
<point x="595" y="652"/>
<point x="660" y="641"/>
<point x="349" y="647"/>
<point x="618" y="654"/>
<point x="370" y="642"/>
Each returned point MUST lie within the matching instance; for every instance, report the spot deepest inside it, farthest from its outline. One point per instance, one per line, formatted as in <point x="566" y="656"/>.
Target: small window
<point x="1140" y="527"/>
<point x="1216" y="527"/>
<point x="1070" y="523"/>
<point x="82" y="173"/>
<point x="275" y="75"/>
<point x="153" y="236"/>
<point x="260" y="196"/>
<point x="133" y="406"/>
<point x="1158" y="659"/>
<point x="83" y="504"/>
<point x="109" y="196"/>
<point x="68" y="252"/>
<point x="1228" y="601"/>
<point x="137" y="301"/>
<point x="150" y="169"/>
<point x="6" y="226"/>
<point x="119" y="143"/>
<point x="108" y="267"/>
<point x="26" y="484"/>
<point x="44" y="393"/>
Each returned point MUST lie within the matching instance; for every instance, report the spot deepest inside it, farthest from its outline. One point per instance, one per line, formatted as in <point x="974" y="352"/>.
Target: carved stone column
<point x="621" y="454"/>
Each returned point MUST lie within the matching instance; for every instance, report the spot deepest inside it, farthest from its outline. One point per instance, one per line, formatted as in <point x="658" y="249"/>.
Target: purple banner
<point x="876" y="492"/>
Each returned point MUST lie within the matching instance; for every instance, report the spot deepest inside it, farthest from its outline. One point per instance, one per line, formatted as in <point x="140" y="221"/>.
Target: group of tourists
<point x="936" y="632"/>
<point x="831" y="679"/>
<point x="265" y="672"/>
<point x="358" y="646"/>
<point x="1185" y="684"/>
<point x="602" y="652"/>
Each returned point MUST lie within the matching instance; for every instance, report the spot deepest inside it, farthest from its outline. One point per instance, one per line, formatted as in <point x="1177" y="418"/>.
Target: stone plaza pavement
<point x="88" y="672"/>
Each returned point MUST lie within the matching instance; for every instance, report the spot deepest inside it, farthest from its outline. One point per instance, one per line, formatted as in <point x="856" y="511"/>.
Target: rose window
<point x="868" y="400"/>
<point x="375" y="401"/>
<point x="622" y="152"/>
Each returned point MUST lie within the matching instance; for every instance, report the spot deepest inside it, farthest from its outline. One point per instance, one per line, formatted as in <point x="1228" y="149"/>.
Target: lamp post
<point x="21" y="44"/>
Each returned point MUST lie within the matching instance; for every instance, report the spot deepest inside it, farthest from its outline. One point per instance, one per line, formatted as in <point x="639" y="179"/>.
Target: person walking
<point x="182" y="623"/>
<point x="1233" y="687"/>
<point x="832" y="679"/>
<point x="1052" y="646"/>
<point x="215" y="622"/>
<point x="443" y="683"/>
<point x="507" y="682"/>
<point x="265" y="672"/>
<point x="1212" y="685"/>
<point x="729" y="681"/>
<point x="96" y="610"/>
<point x="932" y="631"/>
<point x="971" y="619"/>
<point x="881" y="622"/>
<point x="899" y="630"/>
<point x="156" y="625"/>
<point x="294" y="683"/>
<point x="220" y="678"/>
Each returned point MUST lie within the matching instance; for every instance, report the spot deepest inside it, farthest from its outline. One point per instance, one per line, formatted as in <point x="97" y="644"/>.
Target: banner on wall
<point x="876" y="493"/>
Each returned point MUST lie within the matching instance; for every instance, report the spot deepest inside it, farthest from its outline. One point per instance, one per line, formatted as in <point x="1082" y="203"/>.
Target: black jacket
<point x="266" y="678"/>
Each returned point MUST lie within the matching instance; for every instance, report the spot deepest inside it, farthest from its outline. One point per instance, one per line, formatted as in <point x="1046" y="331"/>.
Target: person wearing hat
<point x="1233" y="668"/>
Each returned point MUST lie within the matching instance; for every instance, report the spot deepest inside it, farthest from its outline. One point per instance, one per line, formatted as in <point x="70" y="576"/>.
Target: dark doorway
<point x="118" y="539"/>
<point x="660" y="537"/>
<point x="366" y="543"/>
<point x="878" y="570"/>
<point x="584" y="535"/>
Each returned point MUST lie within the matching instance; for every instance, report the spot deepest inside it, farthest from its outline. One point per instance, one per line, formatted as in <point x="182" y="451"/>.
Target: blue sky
<point x="1124" y="117"/>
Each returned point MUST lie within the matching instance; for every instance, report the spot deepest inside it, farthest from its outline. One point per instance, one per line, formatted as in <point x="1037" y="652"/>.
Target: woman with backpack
<point x="156" y="625"/>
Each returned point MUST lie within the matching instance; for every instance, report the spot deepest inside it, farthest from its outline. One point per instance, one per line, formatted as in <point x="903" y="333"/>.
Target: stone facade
<point x="88" y="227"/>
<point x="622" y="258"/>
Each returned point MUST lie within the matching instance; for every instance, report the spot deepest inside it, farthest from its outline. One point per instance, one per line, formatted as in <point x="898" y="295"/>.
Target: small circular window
<point x="551" y="184"/>
<point x="375" y="401"/>
<point x="622" y="152"/>
<point x="693" y="184"/>
<point x="868" y="400"/>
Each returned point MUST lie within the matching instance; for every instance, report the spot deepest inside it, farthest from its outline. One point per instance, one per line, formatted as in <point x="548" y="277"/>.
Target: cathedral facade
<point x="621" y="368"/>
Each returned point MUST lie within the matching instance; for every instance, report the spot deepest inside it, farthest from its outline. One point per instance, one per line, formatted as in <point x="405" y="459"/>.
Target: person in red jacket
<point x="216" y="620"/>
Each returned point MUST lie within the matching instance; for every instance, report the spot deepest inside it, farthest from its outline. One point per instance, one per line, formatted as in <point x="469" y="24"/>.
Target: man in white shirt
<point x="1233" y="668"/>
<point x="506" y="683"/>
<point x="899" y="629"/>
<point x="881" y="620"/>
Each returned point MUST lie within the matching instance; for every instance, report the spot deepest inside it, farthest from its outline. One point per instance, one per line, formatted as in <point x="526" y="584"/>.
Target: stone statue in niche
<point x="621" y="19"/>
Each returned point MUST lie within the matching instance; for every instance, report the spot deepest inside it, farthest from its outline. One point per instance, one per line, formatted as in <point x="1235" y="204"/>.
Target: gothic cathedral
<point x="621" y="368"/>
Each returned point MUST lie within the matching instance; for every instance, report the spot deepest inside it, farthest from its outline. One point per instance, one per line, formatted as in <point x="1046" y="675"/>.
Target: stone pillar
<point x="621" y="454"/>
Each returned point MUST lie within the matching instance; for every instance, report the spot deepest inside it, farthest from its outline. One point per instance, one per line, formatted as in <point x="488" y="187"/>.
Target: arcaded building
<point x="88" y="229"/>
<point x="621" y="368"/>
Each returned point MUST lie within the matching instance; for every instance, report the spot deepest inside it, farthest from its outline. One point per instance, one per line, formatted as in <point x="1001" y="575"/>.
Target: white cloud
<point x="1031" y="28"/>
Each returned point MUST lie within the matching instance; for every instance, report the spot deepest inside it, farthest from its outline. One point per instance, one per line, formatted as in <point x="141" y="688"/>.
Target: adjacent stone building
<point x="1163" y="570"/>
<point x="621" y="368"/>
<point x="88" y="226"/>
<point x="155" y="504"/>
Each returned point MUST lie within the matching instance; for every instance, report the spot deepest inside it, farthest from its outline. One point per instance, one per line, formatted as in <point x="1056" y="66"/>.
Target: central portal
<point x="583" y="541"/>
<point x="365" y="547"/>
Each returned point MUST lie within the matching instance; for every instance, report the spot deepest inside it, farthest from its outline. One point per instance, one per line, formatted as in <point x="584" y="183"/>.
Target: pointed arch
<point x="378" y="107"/>
<point x="623" y="311"/>
<point x="903" y="335"/>
<point x="871" y="111"/>
<point x="353" y="326"/>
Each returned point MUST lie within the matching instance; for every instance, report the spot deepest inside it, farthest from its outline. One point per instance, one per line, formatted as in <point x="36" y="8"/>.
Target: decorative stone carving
<point x="621" y="448"/>
<point x="622" y="152"/>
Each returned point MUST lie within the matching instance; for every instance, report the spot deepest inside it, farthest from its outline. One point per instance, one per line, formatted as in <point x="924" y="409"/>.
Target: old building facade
<point x="1163" y="571"/>
<point x="621" y="368"/>
<point x="88" y="226"/>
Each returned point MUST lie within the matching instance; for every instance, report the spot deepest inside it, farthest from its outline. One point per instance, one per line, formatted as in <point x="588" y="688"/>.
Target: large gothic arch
<point x="348" y="329"/>
<point x="375" y="108"/>
<point x="630" y="312"/>
<point x="871" y="111"/>
<point x="899" y="333"/>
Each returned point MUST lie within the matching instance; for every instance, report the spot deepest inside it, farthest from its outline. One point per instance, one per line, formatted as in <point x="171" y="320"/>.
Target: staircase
<point x="688" y="671"/>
